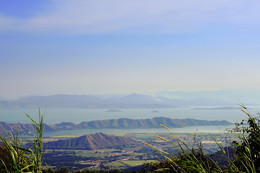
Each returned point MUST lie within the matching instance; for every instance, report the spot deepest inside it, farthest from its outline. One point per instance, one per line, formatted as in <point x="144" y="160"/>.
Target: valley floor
<point x="125" y="157"/>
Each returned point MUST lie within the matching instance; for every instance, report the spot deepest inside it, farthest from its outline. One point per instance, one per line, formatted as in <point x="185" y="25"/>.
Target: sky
<point x="132" y="46"/>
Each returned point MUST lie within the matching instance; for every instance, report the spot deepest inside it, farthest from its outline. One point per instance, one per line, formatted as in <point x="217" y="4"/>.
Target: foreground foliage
<point x="242" y="156"/>
<point x="19" y="159"/>
<point x="248" y="151"/>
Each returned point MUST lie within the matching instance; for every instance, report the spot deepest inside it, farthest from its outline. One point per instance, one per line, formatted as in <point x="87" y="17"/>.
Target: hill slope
<point x="146" y="123"/>
<point x="90" y="142"/>
<point x="22" y="128"/>
<point x="122" y="123"/>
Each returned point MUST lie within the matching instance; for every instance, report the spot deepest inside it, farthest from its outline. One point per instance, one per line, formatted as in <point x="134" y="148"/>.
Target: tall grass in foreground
<point x="246" y="158"/>
<point x="247" y="152"/>
<point x="248" y="145"/>
<point x="20" y="159"/>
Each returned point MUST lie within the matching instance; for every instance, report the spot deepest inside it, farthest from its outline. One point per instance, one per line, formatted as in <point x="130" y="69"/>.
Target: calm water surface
<point x="193" y="129"/>
<point x="53" y="116"/>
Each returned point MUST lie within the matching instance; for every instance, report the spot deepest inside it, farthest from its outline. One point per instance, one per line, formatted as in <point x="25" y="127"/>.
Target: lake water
<point x="53" y="116"/>
<point x="192" y="129"/>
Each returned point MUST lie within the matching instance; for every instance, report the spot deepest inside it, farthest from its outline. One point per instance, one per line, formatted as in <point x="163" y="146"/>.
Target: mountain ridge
<point x="163" y="99"/>
<point x="90" y="142"/>
<point x="121" y="123"/>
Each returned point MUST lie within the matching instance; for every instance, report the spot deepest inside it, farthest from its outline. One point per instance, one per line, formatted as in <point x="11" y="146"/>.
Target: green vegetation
<point x="242" y="155"/>
<point x="126" y="163"/>
<point x="244" y="159"/>
<point x="86" y="154"/>
<point x="135" y="162"/>
<point x="248" y="151"/>
<point x="19" y="159"/>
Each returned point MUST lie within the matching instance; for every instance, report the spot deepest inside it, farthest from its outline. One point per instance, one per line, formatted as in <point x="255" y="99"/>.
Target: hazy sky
<point x="125" y="46"/>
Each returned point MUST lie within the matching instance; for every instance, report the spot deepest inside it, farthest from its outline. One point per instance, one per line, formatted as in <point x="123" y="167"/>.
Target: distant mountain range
<point x="164" y="99"/>
<point x="90" y="142"/>
<point x="122" y="123"/>
<point x="147" y="123"/>
<point x="22" y="128"/>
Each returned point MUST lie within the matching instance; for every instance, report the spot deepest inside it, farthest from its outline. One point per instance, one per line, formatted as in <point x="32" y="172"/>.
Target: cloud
<point x="6" y="22"/>
<point x="100" y="16"/>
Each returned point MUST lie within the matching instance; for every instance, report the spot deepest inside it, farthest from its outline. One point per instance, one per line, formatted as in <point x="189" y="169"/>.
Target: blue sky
<point x="132" y="46"/>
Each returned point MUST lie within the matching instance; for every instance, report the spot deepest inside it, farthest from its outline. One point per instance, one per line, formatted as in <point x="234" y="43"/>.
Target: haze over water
<point x="53" y="116"/>
<point x="81" y="47"/>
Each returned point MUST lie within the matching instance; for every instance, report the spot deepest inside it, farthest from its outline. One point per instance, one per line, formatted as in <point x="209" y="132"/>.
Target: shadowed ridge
<point x="123" y="123"/>
<point x="90" y="142"/>
<point x="4" y="156"/>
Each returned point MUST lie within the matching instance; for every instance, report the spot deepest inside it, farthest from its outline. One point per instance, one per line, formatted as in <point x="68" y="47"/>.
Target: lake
<point x="192" y="129"/>
<point x="53" y="116"/>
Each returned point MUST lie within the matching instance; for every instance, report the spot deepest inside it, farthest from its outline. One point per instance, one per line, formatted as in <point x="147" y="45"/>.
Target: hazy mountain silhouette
<point x="147" y="123"/>
<point x="112" y="123"/>
<point x="163" y="99"/>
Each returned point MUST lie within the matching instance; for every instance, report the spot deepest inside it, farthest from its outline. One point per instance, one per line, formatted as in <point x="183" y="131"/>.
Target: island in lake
<point x="113" y="110"/>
